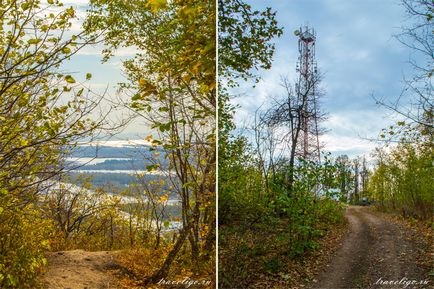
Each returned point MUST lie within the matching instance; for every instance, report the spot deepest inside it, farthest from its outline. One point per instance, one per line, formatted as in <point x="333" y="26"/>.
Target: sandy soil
<point x="374" y="248"/>
<point x="79" y="269"/>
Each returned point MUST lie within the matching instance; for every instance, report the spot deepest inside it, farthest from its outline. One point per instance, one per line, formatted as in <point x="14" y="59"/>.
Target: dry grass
<point x="134" y="266"/>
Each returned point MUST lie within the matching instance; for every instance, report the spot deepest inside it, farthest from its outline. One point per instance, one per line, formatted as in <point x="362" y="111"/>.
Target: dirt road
<point x="375" y="254"/>
<point x="79" y="269"/>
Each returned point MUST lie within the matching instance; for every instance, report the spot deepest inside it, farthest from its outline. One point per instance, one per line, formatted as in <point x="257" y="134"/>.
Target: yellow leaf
<point x="156" y="5"/>
<point x="195" y="69"/>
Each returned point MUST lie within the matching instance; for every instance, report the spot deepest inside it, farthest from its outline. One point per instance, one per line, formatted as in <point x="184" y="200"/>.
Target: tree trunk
<point x="164" y="270"/>
<point x="210" y="240"/>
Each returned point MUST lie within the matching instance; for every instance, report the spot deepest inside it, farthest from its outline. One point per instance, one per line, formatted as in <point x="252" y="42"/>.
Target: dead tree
<point x="289" y="114"/>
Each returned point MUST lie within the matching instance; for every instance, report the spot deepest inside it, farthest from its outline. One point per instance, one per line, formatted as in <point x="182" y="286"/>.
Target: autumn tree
<point x="172" y="86"/>
<point x="402" y="180"/>
<point x="43" y="113"/>
<point x="245" y="41"/>
<point x="79" y="212"/>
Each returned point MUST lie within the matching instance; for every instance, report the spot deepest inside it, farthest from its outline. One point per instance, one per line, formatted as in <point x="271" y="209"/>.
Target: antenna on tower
<point x="307" y="76"/>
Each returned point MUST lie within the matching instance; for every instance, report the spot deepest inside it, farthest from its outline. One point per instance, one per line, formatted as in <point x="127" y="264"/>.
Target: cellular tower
<point x="306" y="90"/>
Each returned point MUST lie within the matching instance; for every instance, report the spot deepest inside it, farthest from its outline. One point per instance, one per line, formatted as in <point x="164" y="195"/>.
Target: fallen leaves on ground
<point x="257" y="257"/>
<point x="420" y="232"/>
<point x="135" y="265"/>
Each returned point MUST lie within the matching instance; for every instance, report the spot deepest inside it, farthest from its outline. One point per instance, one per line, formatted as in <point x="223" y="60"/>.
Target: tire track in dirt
<point x="374" y="250"/>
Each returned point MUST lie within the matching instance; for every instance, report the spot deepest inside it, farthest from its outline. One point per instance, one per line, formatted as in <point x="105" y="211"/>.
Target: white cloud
<point x="118" y="143"/>
<point x="340" y="144"/>
<point x="356" y="51"/>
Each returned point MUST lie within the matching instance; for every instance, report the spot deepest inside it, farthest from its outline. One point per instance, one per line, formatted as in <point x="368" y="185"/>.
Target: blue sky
<point x="358" y="55"/>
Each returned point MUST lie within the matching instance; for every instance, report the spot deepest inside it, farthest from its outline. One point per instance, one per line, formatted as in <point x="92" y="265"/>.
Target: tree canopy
<point x="172" y="85"/>
<point x="43" y="113"/>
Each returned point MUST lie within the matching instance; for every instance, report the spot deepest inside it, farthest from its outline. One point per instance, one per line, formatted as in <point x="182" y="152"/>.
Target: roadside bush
<point x="402" y="181"/>
<point x="310" y="203"/>
<point x="241" y="185"/>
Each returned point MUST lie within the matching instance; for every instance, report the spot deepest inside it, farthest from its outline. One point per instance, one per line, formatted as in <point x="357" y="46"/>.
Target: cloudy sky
<point x="358" y="55"/>
<point x="105" y="76"/>
<point x="89" y="58"/>
<point x="355" y="50"/>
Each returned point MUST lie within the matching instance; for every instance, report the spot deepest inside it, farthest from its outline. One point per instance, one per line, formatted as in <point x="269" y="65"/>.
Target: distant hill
<point x="102" y="151"/>
<point x="114" y="164"/>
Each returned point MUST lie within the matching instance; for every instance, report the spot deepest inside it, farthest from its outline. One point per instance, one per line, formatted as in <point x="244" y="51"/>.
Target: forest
<point x="48" y="113"/>
<point x="285" y="203"/>
<point x="250" y="170"/>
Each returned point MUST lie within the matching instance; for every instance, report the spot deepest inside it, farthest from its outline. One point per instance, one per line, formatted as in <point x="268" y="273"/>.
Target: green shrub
<point x="24" y="236"/>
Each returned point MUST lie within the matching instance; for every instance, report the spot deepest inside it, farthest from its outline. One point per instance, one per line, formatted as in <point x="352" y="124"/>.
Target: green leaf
<point x="70" y="11"/>
<point x="25" y="6"/>
<point x="163" y="109"/>
<point x="50" y="2"/>
<point x="88" y="76"/>
<point x="34" y="41"/>
<point x="150" y="168"/>
<point x="66" y="50"/>
<point x="156" y="5"/>
<point x="69" y="79"/>
<point x="164" y="127"/>
<point x="80" y="92"/>
<point x="166" y="223"/>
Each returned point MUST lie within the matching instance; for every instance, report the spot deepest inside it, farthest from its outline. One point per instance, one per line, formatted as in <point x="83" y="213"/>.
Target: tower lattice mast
<point x="307" y="94"/>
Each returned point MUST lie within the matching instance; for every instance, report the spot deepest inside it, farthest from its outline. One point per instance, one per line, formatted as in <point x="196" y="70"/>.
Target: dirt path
<point x="79" y="269"/>
<point x="374" y="252"/>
